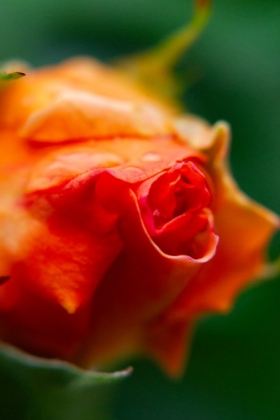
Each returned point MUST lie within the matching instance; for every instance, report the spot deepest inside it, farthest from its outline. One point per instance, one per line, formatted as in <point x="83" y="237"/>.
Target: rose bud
<point x="120" y="222"/>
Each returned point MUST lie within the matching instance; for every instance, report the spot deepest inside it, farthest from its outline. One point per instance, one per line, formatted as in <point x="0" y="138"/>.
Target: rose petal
<point x="39" y="325"/>
<point x="76" y="115"/>
<point x="165" y="343"/>
<point x="140" y="284"/>
<point x="244" y="228"/>
<point x="44" y="86"/>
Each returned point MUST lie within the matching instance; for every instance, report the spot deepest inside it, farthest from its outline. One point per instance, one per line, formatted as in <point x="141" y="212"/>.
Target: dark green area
<point x="234" y="368"/>
<point x="35" y="388"/>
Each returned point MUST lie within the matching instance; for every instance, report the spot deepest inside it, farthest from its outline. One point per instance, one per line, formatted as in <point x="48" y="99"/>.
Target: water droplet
<point x="151" y="157"/>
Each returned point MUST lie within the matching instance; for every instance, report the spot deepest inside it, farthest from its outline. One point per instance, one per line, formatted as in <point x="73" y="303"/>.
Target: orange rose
<point x="120" y="223"/>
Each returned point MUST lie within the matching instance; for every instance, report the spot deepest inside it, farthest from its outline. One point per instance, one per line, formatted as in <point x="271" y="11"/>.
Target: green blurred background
<point x="234" y="368"/>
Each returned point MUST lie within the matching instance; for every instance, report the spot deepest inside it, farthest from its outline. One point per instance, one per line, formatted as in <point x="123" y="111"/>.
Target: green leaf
<point x="52" y="389"/>
<point x="65" y="373"/>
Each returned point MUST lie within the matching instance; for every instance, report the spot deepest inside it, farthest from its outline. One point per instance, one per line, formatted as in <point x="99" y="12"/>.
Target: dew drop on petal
<point x="151" y="157"/>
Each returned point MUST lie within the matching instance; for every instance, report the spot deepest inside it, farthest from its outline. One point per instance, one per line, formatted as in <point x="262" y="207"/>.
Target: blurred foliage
<point x="233" y="71"/>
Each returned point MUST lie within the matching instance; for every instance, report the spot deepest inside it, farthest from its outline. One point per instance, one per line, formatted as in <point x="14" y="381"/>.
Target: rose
<point x="120" y="222"/>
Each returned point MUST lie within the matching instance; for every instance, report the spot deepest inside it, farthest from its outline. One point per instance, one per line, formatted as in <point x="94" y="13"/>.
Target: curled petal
<point x="141" y="283"/>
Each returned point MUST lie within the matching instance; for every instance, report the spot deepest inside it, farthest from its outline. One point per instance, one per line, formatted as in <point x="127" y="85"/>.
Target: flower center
<point x="180" y="190"/>
<point x="175" y="210"/>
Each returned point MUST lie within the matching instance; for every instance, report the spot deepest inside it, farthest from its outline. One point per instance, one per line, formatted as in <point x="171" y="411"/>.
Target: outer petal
<point x="57" y="246"/>
<point x="49" y="91"/>
<point x="165" y="342"/>
<point x="39" y="325"/>
<point x="76" y="115"/>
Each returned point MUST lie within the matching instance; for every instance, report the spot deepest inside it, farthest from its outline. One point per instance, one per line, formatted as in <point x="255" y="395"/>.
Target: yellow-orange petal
<point x="77" y="115"/>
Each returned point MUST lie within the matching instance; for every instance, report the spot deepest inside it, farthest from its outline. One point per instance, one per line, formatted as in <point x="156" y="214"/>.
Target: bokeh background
<point x="234" y="74"/>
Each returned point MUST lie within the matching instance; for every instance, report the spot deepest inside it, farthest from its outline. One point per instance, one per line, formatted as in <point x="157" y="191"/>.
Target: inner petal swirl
<point x="175" y="207"/>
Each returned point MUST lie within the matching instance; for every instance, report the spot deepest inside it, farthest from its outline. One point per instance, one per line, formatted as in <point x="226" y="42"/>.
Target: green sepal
<point x="33" y="388"/>
<point x="270" y="271"/>
<point x="11" y="76"/>
<point x="154" y="68"/>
